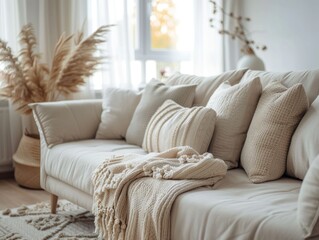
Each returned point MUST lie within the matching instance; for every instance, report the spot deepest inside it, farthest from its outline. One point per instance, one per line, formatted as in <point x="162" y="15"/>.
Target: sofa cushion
<point x="173" y="125"/>
<point x="277" y="115"/>
<point x="309" y="80"/>
<point x="235" y="107"/>
<point x="304" y="145"/>
<point x="154" y="95"/>
<point x="118" y="108"/>
<point x="205" y="85"/>
<point x="308" y="203"/>
<point x="235" y="208"/>
<point x="74" y="162"/>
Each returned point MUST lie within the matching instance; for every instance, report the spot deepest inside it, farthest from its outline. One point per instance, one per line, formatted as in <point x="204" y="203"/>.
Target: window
<point x="163" y="36"/>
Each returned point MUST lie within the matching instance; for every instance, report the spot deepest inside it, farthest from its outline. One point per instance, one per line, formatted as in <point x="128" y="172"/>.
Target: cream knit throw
<point x="133" y="194"/>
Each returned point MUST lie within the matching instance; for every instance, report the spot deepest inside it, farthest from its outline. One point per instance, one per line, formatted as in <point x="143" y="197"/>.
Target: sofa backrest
<point x="309" y="80"/>
<point x="206" y="86"/>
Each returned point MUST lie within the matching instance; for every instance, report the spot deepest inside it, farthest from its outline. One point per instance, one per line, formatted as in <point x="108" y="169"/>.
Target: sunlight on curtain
<point x="117" y="72"/>
<point x="207" y="51"/>
<point x="12" y="16"/>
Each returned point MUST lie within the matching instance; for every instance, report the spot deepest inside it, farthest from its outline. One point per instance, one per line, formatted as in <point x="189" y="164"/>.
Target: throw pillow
<point x="304" y="143"/>
<point x="278" y="113"/>
<point x="308" y="202"/>
<point x="205" y="85"/>
<point x="173" y="125"/>
<point x="118" y="108"/>
<point x="154" y="95"/>
<point x="235" y="107"/>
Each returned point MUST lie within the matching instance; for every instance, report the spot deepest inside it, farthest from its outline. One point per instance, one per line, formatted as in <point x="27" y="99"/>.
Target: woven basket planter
<point x="27" y="162"/>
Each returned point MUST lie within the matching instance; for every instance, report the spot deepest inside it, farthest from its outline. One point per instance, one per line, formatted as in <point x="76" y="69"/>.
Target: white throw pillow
<point x="154" y="95"/>
<point x="278" y="113"/>
<point x="118" y="108"/>
<point x="304" y="145"/>
<point x="173" y="125"/>
<point x="205" y="85"/>
<point x="235" y="107"/>
<point x="308" y="202"/>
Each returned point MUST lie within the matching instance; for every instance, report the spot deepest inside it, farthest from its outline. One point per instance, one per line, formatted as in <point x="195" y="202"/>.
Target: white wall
<point x="289" y="28"/>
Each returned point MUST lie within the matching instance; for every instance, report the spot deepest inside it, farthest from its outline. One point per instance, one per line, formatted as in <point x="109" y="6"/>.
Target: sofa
<point x="248" y="203"/>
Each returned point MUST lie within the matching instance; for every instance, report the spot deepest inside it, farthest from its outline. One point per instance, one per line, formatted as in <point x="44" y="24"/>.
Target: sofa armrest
<point x="66" y="121"/>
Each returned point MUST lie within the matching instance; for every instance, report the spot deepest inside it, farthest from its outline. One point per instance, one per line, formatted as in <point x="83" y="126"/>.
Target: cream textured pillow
<point x="173" y="125"/>
<point x="308" y="202"/>
<point x="304" y="145"/>
<point x="154" y="95"/>
<point x="118" y="108"/>
<point x="235" y="107"/>
<point x="277" y="115"/>
<point x="205" y="85"/>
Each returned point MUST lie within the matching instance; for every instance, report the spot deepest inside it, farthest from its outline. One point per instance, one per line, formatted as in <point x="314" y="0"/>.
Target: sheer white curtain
<point x="231" y="47"/>
<point x="12" y="17"/>
<point x="208" y="45"/>
<point x="117" y="71"/>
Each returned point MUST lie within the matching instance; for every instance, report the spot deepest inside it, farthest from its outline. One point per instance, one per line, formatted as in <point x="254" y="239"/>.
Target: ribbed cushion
<point x="308" y="202"/>
<point x="173" y="125"/>
<point x="235" y="107"/>
<point x="277" y="115"/>
<point x="118" y="108"/>
<point x="304" y="145"/>
<point x="205" y="85"/>
<point x="154" y="95"/>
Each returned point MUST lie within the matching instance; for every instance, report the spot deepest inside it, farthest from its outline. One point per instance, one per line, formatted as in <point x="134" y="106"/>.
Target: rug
<point x="35" y="222"/>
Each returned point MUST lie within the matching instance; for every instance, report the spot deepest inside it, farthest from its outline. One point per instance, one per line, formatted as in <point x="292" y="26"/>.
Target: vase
<point x="27" y="162"/>
<point x="251" y="61"/>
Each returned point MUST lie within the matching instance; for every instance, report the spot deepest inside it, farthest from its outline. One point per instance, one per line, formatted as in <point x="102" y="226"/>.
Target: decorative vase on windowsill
<point x="24" y="80"/>
<point x="251" y="61"/>
<point x="238" y="30"/>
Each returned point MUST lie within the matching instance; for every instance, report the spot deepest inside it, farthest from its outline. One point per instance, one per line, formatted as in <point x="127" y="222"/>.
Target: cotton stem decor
<point x="239" y="30"/>
<point x="25" y="79"/>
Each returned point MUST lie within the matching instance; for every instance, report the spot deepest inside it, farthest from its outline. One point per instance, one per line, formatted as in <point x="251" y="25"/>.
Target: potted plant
<point x="24" y="79"/>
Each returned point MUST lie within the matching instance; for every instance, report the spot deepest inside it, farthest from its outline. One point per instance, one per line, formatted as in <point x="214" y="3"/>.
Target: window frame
<point x="143" y="49"/>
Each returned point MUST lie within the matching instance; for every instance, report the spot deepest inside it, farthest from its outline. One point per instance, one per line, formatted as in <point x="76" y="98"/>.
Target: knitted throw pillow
<point x="154" y="95"/>
<point x="235" y="107"/>
<point x="277" y="115"/>
<point x="173" y="125"/>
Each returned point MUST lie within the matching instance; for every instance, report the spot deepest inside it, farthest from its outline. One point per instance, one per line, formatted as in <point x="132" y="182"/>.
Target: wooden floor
<point x="12" y="195"/>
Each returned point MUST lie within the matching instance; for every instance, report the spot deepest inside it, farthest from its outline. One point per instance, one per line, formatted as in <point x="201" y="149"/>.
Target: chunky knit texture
<point x="173" y="125"/>
<point x="133" y="194"/>
<point x="278" y="113"/>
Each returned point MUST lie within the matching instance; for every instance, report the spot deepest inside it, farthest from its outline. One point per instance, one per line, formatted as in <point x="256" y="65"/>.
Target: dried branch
<point x="61" y="52"/>
<point x="239" y="31"/>
<point x="25" y="80"/>
<point x="82" y="62"/>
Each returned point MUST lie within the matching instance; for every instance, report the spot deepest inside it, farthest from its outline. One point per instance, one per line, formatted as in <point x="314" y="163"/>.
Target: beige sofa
<point x="235" y="208"/>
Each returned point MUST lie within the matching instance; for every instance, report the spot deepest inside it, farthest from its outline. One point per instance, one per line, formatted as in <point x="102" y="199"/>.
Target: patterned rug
<point x="36" y="223"/>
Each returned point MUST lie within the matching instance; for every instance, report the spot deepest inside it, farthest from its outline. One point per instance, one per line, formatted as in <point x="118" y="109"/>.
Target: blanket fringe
<point x="108" y="225"/>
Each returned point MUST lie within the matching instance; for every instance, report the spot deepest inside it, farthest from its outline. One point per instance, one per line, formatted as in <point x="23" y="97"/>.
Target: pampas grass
<point x="25" y="79"/>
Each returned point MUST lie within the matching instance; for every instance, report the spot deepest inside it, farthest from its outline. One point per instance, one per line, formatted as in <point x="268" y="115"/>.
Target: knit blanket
<point x="134" y="194"/>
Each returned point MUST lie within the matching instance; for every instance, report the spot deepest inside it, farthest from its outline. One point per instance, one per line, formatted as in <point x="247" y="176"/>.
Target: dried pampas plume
<point x="24" y="79"/>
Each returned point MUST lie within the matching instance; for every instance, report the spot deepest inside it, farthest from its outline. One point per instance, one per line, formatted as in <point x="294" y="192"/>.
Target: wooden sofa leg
<point x="54" y="202"/>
